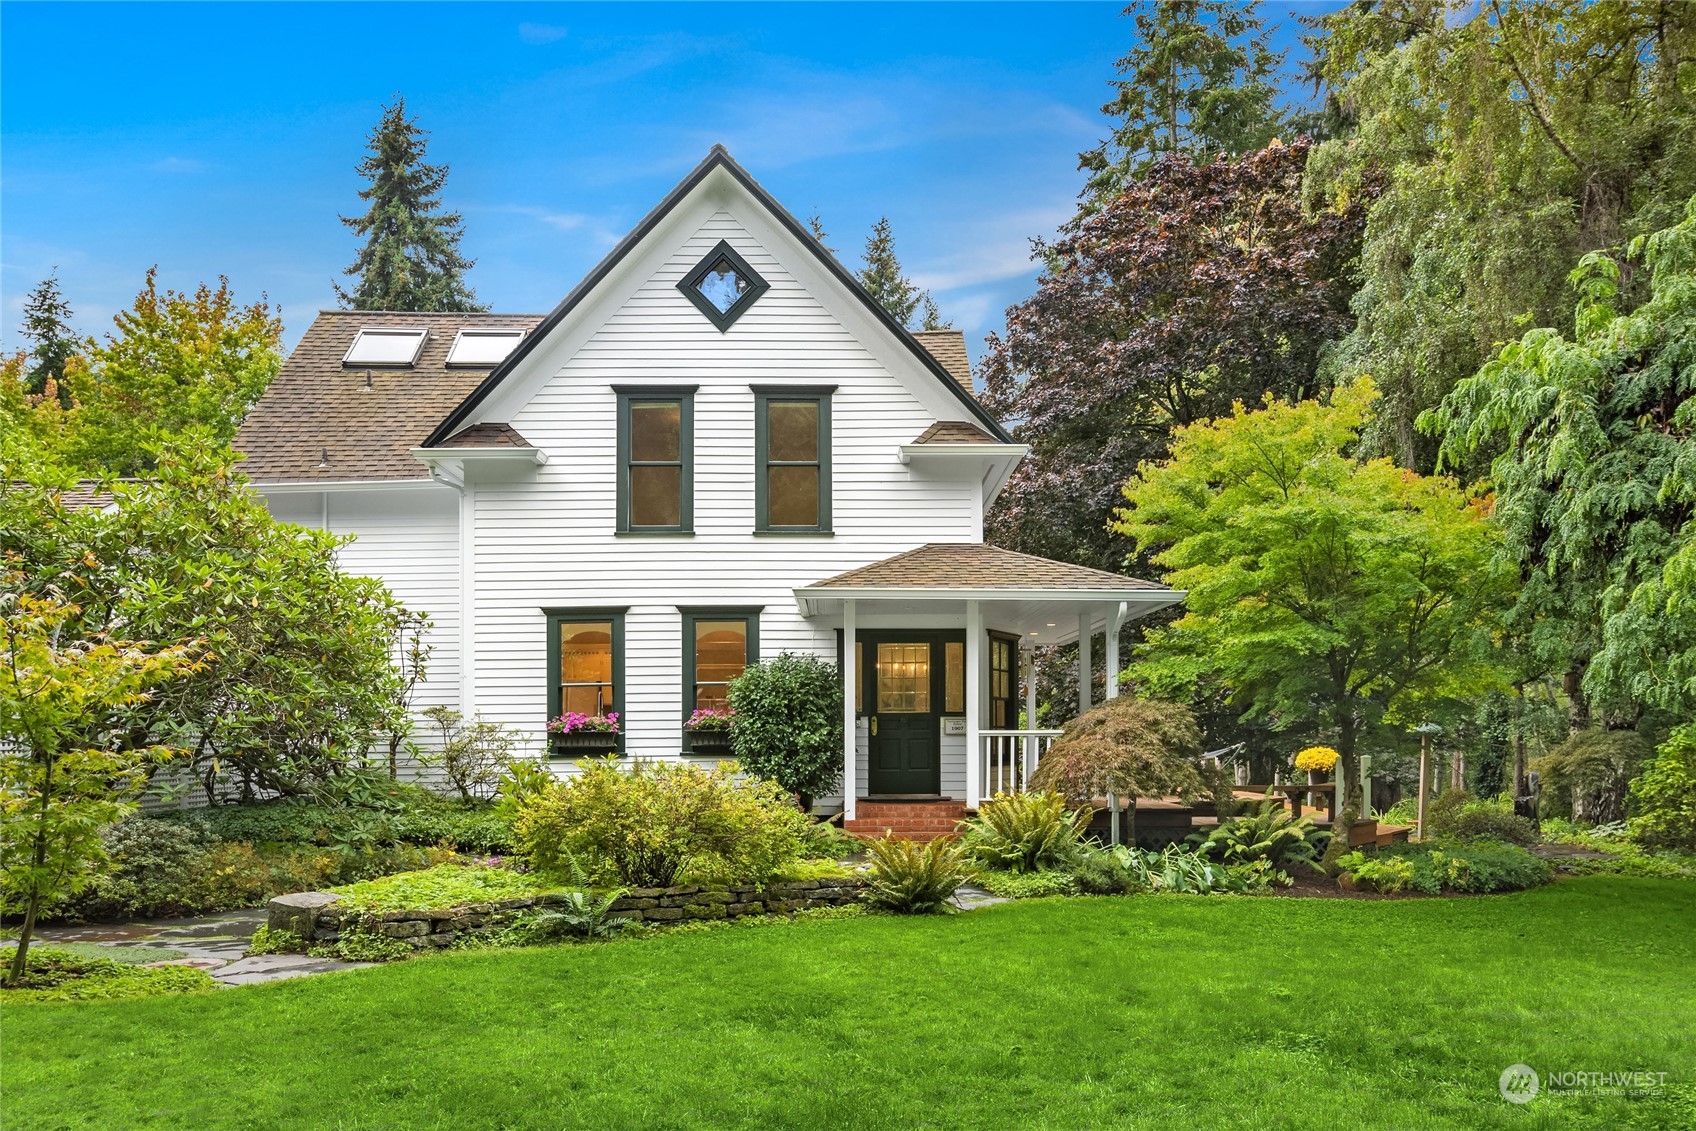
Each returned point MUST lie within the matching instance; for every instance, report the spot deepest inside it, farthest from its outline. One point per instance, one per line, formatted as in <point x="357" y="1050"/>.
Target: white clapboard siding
<point x="549" y="540"/>
<point x="408" y="539"/>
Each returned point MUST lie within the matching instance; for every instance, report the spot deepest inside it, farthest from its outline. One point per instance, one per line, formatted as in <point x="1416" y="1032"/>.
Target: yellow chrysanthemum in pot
<point x="1320" y="758"/>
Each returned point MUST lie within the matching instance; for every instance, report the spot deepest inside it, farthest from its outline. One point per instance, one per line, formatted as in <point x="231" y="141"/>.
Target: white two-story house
<point x="717" y="448"/>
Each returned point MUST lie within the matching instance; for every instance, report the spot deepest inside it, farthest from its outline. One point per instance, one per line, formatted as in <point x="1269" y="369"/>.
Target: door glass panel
<point x="954" y="677"/>
<point x="721" y="652"/>
<point x="859" y="678"/>
<point x="903" y="679"/>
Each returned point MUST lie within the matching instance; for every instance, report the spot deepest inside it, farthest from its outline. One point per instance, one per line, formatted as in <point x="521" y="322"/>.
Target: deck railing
<point x="1011" y="756"/>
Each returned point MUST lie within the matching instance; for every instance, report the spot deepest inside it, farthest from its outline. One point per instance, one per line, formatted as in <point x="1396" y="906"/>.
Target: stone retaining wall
<point x="315" y="916"/>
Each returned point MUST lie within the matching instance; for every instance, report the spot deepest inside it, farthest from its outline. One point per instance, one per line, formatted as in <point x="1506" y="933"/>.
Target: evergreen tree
<point x="816" y="225"/>
<point x="1199" y="81"/>
<point x="896" y="293"/>
<point x="411" y="258"/>
<point x="47" y="323"/>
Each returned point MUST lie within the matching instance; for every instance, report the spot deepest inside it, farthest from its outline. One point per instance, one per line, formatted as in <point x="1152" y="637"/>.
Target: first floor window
<point x="718" y="645"/>
<point x="585" y="662"/>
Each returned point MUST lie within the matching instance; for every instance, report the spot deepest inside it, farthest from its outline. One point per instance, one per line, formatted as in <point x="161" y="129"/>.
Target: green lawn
<point x="1160" y="1012"/>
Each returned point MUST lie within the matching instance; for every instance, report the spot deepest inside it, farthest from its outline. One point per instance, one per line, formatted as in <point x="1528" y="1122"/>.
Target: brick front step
<point x="912" y="820"/>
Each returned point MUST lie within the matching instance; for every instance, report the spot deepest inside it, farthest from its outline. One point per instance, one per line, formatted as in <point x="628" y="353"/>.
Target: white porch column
<point x="1029" y="655"/>
<point x="1115" y="618"/>
<point x="1084" y="662"/>
<point x="974" y="703"/>
<point x="850" y="678"/>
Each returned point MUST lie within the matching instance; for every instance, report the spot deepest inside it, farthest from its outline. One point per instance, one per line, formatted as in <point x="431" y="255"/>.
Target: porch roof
<point x="1035" y="592"/>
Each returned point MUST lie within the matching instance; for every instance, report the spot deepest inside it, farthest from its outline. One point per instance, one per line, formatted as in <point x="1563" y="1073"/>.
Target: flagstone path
<point x="215" y="944"/>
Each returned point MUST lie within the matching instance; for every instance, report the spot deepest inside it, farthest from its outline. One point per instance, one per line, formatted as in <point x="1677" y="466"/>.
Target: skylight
<point x="385" y="346"/>
<point x="483" y="347"/>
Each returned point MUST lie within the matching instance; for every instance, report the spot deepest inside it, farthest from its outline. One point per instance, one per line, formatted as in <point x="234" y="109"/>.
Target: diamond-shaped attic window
<point x="723" y="285"/>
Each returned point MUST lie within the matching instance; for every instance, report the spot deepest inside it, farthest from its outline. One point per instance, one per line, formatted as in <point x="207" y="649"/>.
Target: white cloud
<point x="994" y="248"/>
<point x="541" y="33"/>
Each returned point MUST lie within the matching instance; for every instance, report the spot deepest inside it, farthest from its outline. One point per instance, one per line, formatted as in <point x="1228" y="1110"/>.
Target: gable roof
<point x="717" y="158"/>
<point x="320" y="420"/>
<point x="974" y="565"/>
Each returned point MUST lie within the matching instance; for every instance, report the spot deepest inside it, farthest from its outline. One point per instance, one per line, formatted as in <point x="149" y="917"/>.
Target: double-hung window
<point x="718" y="644"/>
<point x="656" y="457"/>
<point x="585" y="662"/>
<point x="792" y="459"/>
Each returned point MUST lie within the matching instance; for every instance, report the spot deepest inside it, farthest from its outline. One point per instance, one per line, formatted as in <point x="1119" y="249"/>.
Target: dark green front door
<point x="902" y="680"/>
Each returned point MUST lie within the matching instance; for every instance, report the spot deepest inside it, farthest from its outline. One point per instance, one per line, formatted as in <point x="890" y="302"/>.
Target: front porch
<point x="936" y="647"/>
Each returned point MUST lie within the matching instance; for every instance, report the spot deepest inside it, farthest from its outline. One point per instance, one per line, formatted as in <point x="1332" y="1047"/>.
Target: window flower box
<point x="708" y="731"/>
<point x="577" y="733"/>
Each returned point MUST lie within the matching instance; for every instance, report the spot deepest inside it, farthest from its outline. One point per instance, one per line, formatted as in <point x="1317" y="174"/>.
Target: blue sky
<point x="220" y="139"/>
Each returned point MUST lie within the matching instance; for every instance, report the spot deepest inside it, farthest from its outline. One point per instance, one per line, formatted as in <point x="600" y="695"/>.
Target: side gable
<point x="719" y="159"/>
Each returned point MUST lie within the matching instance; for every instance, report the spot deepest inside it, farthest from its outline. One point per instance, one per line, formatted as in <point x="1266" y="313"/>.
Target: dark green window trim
<point x="684" y="395"/>
<point x="749" y="614"/>
<point x="763" y="396"/>
<point x="723" y="319"/>
<point x="620" y="691"/>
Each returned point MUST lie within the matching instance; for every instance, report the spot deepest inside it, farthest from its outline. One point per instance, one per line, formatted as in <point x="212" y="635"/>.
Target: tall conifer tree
<point x="411" y="258"/>
<point x="47" y="324"/>
<point x="896" y="293"/>
<point x="1200" y="81"/>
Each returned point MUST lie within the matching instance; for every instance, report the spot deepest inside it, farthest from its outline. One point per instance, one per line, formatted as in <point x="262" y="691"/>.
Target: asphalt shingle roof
<point x="318" y="412"/>
<point x="973" y="565"/>
<point x="954" y="432"/>
<point x="949" y="349"/>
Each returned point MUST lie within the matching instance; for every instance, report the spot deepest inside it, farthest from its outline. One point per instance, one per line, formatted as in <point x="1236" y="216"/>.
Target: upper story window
<point x="723" y="286"/>
<point x="656" y="456"/>
<point x="386" y="346"/>
<point x="485" y="348"/>
<point x="792" y="454"/>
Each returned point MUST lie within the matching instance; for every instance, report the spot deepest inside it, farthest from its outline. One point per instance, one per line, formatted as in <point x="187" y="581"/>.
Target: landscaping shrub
<point x="1457" y="815"/>
<point x="1267" y="832"/>
<point x="58" y="975"/>
<point x="1101" y="871"/>
<point x="1664" y="797"/>
<point x="155" y="869"/>
<point x="787" y="726"/>
<point x="410" y="814"/>
<point x="1483" y="866"/>
<point x="1025" y="832"/>
<point x="648" y="825"/>
<point x="1587" y="776"/>
<point x="470" y="754"/>
<point x="827" y="841"/>
<point x="1029" y="885"/>
<point x="1181" y="871"/>
<point x="914" y="879"/>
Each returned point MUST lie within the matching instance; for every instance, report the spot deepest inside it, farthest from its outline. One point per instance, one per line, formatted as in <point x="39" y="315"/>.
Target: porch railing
<point x="1010" y="757"/>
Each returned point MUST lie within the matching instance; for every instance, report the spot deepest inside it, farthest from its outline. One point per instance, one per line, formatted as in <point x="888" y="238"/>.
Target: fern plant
<point x="915" y="879"/>
<point x="1026" y="832"/>
<point x="1267" y="832"/>
<point x="580" y="912"/>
